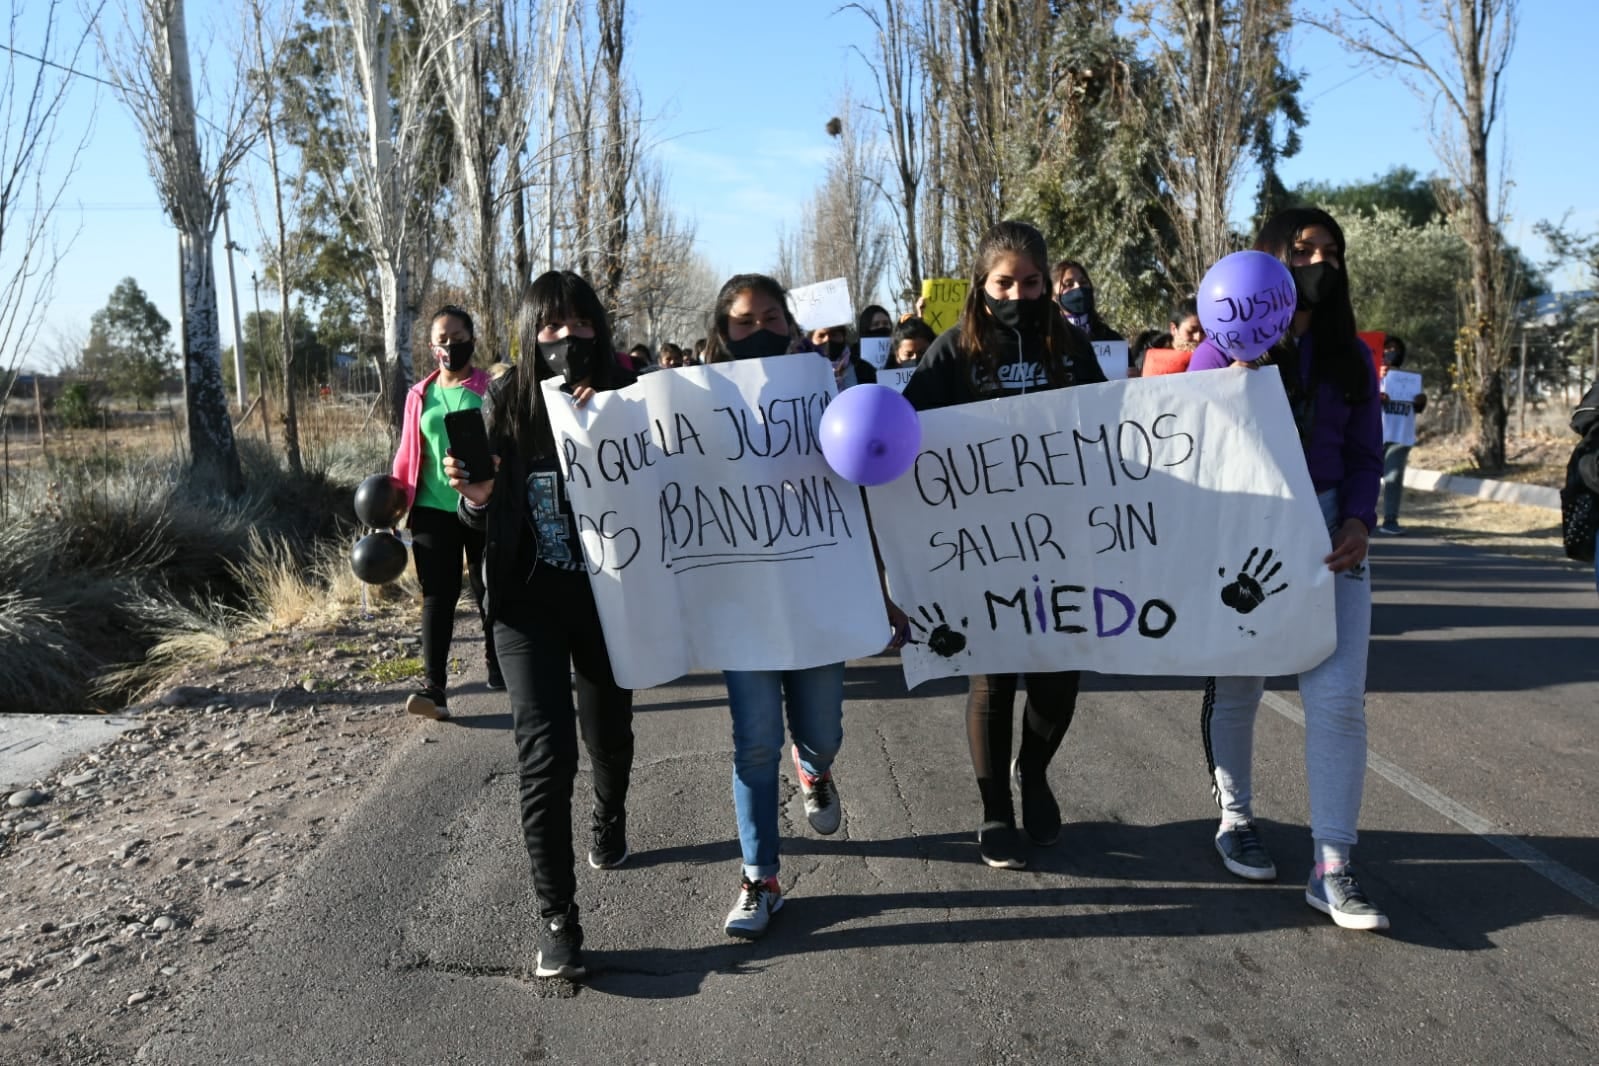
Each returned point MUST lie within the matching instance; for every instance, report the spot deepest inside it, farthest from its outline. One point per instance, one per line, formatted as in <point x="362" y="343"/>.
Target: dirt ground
<point x="144" y="869"/>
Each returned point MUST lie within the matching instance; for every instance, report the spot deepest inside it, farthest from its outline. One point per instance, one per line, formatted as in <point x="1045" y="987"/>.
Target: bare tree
<point x="848" y="235"/>
<point x="660" y="281"/>
<point x="30" y="246"/>
<point x="149" y="65"/>
<point x="487" y="74"/>
<point x="1221" y="79"/>
<point x="282" y="253"/>
<point x="386" y="90"/>
<point x="988" y="63"/>
<point x="901" y="93"/>
<point x="1467" y="82"/>
<point x="602" y="132"/>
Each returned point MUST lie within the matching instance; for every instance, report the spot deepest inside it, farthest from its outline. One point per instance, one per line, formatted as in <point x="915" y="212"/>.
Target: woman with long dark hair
<point x="1332" y="390"/>
<point x="546" y="625"/>
<point x="751" y="320"/>
<point x="1010" y="340"/>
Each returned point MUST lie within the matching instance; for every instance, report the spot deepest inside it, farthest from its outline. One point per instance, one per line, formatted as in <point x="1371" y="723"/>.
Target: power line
<point x="59" y="66"/>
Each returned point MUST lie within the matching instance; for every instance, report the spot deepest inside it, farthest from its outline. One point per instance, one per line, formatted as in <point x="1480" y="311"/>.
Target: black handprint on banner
<point x="1249" y="591"/>
<point x="941" y="639"/>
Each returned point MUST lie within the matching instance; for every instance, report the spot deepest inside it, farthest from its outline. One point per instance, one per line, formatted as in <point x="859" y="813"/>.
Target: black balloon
<point x="380" y="501"/>
<point x="378" y="558"/>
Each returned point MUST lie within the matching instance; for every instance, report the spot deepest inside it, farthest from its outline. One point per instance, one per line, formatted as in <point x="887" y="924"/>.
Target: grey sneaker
<point x="822" y="808"/>
<point x="753" y="909"/>
<point x="1391" y="529"/>
<point x="1243" y="853"/>
<point x="1338" y="895"/>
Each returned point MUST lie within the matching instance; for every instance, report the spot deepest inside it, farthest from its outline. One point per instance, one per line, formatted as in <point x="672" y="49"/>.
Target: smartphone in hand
<point x="469" y="443"/>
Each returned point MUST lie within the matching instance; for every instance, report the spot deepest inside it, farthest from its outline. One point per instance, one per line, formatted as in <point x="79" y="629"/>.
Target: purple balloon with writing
<point x="1246" y="303"/>
<point x="870" y="434"/>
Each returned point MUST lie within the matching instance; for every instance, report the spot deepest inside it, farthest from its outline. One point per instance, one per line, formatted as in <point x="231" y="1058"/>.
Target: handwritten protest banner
<point x="1161" y="526"/>
<point x="1113" y="359"/>
<point x="825" y="303"/>
<point x="716" y="536"/>
<point x="945" y="297"/>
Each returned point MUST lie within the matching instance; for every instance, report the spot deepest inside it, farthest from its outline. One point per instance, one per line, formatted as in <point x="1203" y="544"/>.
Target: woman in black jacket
<point x="545" y="621"/>
<point x="1010" y="340"/>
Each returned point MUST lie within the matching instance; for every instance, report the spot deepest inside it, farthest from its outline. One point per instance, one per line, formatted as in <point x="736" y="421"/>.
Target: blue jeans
<point x="815" y="699"/>
<point x="1394" y="459"/>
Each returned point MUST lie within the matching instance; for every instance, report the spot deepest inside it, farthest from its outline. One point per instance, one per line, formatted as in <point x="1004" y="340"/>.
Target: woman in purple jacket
<point x="1332" y="390"/>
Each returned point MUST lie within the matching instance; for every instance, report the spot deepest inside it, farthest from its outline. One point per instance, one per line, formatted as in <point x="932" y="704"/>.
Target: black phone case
<point x="469" y="442"/>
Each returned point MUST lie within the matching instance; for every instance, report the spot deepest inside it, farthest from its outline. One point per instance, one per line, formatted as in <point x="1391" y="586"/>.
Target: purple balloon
<point x="870" y="434"/>
<point x="1246" y="303"/>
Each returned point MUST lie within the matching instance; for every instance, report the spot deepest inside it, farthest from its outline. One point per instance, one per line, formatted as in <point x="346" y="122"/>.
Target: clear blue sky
<point x="737" y="95"/>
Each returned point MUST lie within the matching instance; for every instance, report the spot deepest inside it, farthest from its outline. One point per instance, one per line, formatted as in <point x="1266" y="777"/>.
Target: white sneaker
<point x="822" y="808"/>
<point x="752" y="911"/>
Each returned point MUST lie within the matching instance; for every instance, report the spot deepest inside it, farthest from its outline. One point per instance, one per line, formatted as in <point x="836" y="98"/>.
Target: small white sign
<point x="895" y="377"/>
<point x="875" y="350"/>
<point x="825" y="303"/>
<point x="1112" y="358"/>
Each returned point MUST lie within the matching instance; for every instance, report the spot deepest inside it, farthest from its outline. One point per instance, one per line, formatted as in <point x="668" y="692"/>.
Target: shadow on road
<point x="1444" y="892"/>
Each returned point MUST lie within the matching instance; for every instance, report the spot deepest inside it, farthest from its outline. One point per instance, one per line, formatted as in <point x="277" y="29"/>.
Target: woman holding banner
<point x="1010" y="340"/>
<point x="752" y="320"/>
<point x="546" y="625"/>
<point x="1332" y="390"/>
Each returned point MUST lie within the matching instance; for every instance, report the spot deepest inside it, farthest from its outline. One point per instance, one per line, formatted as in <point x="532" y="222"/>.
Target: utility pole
<point x="260" y="348"/>
<point x="240" y="387"/>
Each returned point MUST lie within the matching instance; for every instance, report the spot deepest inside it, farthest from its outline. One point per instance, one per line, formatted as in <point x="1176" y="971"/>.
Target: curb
<point x="1483" y="489"/>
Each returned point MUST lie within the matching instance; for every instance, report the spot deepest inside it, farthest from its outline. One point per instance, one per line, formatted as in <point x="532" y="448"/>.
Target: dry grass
<point x="1505" y="528"/>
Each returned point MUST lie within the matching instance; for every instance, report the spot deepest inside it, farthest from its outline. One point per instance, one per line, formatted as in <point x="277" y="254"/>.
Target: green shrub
<point x="77" y="407"/>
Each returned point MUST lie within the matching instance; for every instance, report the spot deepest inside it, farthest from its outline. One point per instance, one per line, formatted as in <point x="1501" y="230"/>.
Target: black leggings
<point x="541" y="639"/>
<point x="437" y="540"/>
<point x="1046" y="715"/>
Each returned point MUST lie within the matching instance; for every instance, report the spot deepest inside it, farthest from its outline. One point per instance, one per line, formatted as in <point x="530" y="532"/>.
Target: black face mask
<point x="834" y="350"/>
<point x="572" y="358"/>
<point x="1317" y="283"/>
<point x="1079" y="301"/>
<point x="455" y="356"/>
<point x="877" y="333"/>
<point x="1392" y="358"/>
<point x="1019" y="316"/>
<point x="759" y="345"/>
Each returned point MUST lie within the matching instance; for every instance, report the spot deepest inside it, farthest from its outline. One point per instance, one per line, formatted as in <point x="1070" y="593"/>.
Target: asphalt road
<point x="409" y="936"/>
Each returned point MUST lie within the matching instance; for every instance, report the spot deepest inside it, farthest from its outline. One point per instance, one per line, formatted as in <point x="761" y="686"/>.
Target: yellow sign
<point x="945" y="297"/>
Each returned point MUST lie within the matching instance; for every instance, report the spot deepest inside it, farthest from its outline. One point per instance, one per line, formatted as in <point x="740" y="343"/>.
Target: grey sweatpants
<point x="1334" y="697"/>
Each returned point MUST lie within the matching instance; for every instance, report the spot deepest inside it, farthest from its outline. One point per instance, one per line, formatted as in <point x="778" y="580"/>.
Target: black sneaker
<point x="1001" y="846"/>
<point x="1040" y="812"/>
<point x="428" y="702"/>
<point x="610" y="842"/>
<point x="560" y="947"/>
<point x="1391" y="529"/>
<point x="496" y="682"/>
